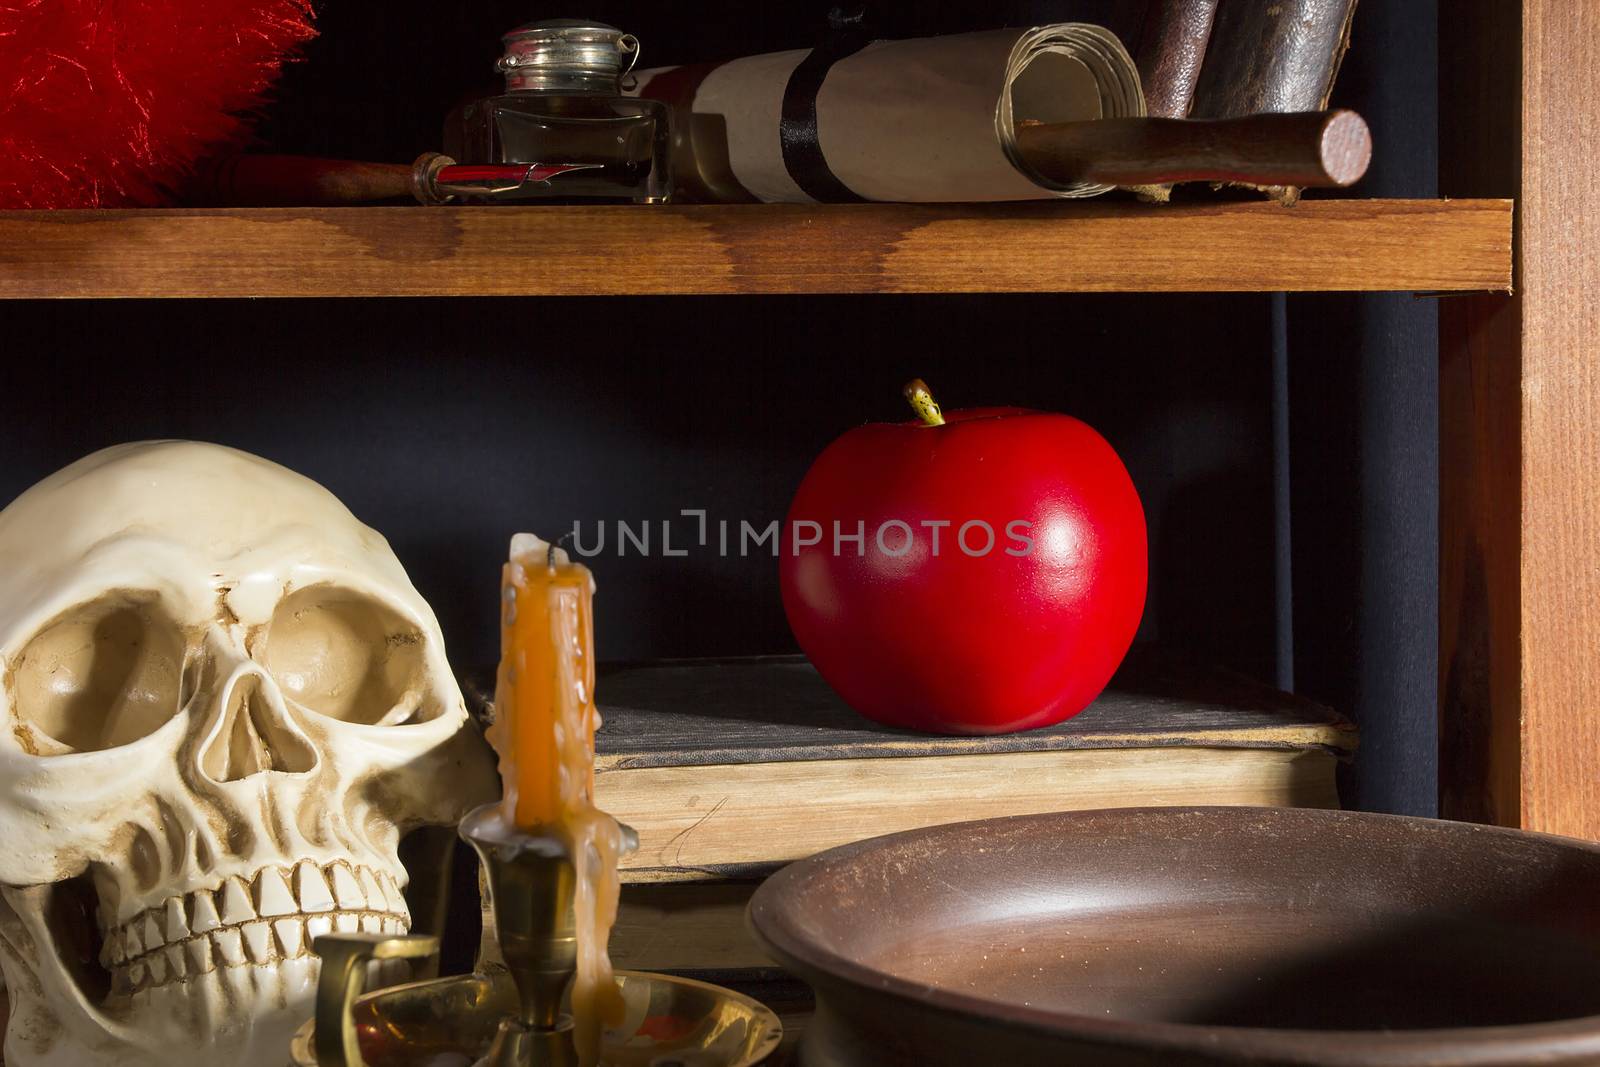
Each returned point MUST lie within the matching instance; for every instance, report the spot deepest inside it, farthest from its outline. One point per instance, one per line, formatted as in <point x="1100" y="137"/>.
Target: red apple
<point x="1019" y="613"/>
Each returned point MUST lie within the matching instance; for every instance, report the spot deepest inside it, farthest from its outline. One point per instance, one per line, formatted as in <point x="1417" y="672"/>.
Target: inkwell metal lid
<point x="567" y="54"/>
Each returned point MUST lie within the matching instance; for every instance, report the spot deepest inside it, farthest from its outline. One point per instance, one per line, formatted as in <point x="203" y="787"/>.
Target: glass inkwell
<point x="562" y="130"/>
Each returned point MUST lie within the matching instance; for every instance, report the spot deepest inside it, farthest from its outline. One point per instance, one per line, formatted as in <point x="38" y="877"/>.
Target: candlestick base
<point x="517" y="1044"/>
<point x="510" y="1013"/>
<point x="461" y="1018"/>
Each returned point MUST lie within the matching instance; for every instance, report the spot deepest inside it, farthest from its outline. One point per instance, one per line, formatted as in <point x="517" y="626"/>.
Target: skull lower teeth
<point x="273" y="917"/>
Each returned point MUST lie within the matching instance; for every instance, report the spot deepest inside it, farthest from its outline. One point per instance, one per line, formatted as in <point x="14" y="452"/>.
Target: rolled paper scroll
<point x="931" y="119"/>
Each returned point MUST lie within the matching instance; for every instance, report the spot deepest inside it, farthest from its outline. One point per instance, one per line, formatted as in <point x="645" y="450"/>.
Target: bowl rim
<point x="1570" y="1039"/>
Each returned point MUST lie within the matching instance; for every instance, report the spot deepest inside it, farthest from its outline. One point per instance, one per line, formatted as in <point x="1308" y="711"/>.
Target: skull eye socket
<point x="104" y="674"/>
<point x="346" y="656"/>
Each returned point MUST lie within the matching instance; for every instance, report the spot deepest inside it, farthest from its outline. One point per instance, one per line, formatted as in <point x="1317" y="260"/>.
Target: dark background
<point x="1307" y="555"/>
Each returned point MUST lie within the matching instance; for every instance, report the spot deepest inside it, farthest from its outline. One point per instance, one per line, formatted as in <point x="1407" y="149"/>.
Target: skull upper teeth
<point x="274" y="917"/>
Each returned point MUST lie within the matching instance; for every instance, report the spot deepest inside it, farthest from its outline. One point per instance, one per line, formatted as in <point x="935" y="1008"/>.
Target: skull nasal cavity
<point x="253" y="737"/>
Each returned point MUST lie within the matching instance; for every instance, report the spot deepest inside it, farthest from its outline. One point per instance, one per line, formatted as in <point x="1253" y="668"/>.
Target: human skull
<point x="223" y="704"/>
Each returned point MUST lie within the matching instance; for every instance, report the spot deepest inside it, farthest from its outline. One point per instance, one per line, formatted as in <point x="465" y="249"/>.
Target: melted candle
<point x="544" y="734"/>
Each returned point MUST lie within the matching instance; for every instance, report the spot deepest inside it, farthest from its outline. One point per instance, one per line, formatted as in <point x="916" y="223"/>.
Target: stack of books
<point x="730" y="769"/>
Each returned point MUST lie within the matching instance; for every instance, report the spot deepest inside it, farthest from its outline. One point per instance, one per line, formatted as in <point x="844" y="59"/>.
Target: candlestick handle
<point x="344" y="978"/>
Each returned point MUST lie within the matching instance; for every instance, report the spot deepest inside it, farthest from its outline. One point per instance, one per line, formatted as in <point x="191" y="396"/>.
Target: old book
<point x="733" y="768"/>
<point x="1172" y="43"/>
<point x="1276" y="56"/>
<point x="1281" y="55"/>
<point x="686" y="927"/>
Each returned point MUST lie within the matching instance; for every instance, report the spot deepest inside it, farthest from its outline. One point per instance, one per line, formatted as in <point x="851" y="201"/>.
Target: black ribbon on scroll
<point x="797" y="132"/>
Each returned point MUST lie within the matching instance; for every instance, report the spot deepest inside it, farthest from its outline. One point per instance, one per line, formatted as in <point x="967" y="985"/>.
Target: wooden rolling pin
<point x="1310" y="148"/>
<point x="1314" y="148"/>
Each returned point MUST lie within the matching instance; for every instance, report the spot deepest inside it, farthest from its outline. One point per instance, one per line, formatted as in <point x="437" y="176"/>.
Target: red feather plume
<point x="109" y="103"/>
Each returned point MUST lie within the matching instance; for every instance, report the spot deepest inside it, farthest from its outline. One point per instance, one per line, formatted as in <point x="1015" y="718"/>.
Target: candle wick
<point x="556" y="543"/>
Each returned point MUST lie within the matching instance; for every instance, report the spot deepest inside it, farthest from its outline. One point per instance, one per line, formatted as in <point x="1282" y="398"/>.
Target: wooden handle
<point x="298" y="181"/>
<point x="1308" y="148"/>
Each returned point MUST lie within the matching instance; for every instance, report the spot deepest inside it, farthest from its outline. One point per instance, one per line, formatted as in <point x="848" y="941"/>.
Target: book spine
<point x="1273" y="56"/>
<point x="1278" y="56"/>
<point x="693" y="927"/>
<point x="1172" y="45"/>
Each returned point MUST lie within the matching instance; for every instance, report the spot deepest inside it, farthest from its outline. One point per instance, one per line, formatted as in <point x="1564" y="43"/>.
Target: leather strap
<point x="797" y="131"/>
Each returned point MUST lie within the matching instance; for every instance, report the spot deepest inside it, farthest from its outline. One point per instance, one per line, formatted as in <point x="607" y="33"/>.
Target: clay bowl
<point x="1195" y="936"/>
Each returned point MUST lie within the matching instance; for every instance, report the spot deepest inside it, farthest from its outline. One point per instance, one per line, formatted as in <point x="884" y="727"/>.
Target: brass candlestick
<point x="530" y="879"/>
<point x="509" y="1013"/>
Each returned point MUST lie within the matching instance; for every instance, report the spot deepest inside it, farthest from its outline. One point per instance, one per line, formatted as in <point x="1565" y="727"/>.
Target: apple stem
<point x="920" y="397"/>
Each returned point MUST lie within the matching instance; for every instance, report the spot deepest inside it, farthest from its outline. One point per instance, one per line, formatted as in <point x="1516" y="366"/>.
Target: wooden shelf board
<point x="1432" y="245"/>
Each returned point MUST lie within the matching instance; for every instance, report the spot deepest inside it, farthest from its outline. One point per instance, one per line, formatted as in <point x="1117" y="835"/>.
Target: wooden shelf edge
<point x="1317" y="245"/>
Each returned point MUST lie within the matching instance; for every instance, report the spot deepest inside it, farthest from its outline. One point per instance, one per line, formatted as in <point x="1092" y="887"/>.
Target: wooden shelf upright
<point x="1520" y="424"/>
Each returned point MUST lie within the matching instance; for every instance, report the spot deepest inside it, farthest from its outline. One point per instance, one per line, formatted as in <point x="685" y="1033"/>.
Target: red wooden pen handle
<point x="301" y="181"/>
<point x="297" y="181"/>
